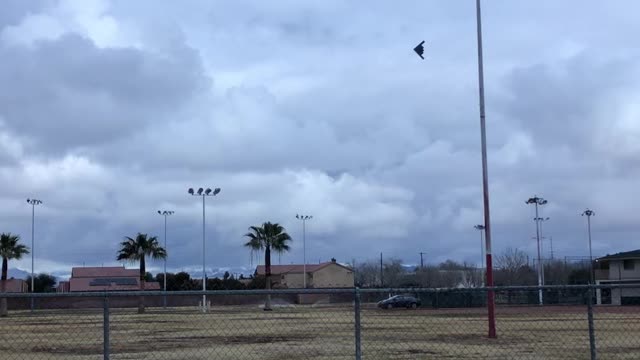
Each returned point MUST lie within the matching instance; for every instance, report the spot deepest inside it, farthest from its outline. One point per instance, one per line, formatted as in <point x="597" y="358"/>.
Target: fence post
<point x="105" y="329"/>
<point x="592" y="335"/>
<point x="357" y="324"/>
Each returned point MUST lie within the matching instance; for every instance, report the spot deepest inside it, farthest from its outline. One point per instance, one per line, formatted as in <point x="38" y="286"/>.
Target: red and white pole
<point x="491" y="307"/>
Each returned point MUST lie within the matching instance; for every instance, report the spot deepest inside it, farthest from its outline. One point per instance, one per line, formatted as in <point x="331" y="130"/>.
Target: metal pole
<point x="204" y="272"/>
<point x="357" y="325"/>
<point x="541" y="223"/>
<point x="105" y="329"/>
<point x="592" y="336"/>
<point x="421" y="261"/>
<point x="539" y="263"/>
<point x="33" y="220"/>
<point x="164" y="301"/>
<point x="485" y="179"/>
<point x="304" y="253"/>
<point x="590" y="253"/>
<point x="482" y="255"/>
<point x="381" y="272"/>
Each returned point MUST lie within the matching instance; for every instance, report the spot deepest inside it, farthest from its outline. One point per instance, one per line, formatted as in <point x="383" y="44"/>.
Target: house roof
<point x="16" y="286"/>
<point x="90" y="284"/>
<point x="108" y="271"/>
<point x="634" y="254"/>
<point x="296" y="268"/>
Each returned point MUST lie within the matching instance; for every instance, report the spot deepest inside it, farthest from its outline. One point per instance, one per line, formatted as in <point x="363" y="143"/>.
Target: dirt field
<point x="306" y="332"/>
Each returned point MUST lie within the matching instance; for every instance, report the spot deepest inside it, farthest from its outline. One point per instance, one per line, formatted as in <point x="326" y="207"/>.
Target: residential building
<point x="16" y="286"/>
<point x="324" y="275"/>
<point x="620" y="268"/>
<point x="113" y="278"/>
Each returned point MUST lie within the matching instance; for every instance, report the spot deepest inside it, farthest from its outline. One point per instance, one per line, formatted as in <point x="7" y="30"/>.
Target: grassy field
<point x="306" y="332"/>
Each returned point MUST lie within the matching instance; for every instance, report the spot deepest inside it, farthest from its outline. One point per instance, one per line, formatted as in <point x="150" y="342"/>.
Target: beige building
<point x="620" y="268"/>
<point x="325" y="275"/>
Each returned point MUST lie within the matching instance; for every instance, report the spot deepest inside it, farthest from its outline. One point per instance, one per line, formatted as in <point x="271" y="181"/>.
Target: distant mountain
<point x="218" y="271"/>
<point x="17" y="274"/>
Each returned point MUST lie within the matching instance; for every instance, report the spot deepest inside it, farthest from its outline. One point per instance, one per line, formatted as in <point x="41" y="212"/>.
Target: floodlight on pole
<point x="304" y="219"/>
<point x="541" y="221"/>
<point x="33" y="203"/>
<point x="480" y="228"/>
<point x="589" y="213"/>
<point x="201" y="192"/>
<point x="165" y="214"/>
<point x="538" y="201"/>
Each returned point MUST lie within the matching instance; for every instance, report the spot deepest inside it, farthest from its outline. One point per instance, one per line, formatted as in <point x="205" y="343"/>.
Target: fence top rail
<point x="501" y="288"/>
<point x="102" y="294"/>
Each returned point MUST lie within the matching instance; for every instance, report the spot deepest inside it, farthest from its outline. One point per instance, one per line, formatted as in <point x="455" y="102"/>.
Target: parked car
<point x="408" y="302"/>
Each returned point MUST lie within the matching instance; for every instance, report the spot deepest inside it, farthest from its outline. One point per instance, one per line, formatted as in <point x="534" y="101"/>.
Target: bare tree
<point x="513" y="268"/>
<point x="367" y="274"/>
<point x="471" y="275"/>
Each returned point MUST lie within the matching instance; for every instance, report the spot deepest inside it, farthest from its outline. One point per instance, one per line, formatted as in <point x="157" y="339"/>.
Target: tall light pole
<point x="491" y="306"/>
<point x="540" y="220"/>
<point x="33" y="203"/>
<point x="304" y="219"/>
<point x="204" y="193"/>
<point x="589" y="213"/>
<point x="480" y="228"/>
<point x="165" y="213"/>
<point x="538" y="201"/>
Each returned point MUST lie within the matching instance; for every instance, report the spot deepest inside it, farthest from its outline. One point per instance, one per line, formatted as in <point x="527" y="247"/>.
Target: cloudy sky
<point x="110" y="110"/>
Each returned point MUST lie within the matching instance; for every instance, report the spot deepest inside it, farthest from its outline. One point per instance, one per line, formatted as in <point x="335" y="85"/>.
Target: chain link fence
<point x="325" y="324"/>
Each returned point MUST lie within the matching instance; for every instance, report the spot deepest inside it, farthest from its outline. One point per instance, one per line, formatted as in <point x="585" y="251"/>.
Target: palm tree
<point x="9" y="249"/>
<point x="268" y="237"/>
<point x="137" y="250"/>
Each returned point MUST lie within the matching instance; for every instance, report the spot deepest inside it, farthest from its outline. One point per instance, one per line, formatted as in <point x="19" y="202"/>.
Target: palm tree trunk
<point x="267" y="270"/>
<point x="3" y="287"/>
<point x="143" y="272"/>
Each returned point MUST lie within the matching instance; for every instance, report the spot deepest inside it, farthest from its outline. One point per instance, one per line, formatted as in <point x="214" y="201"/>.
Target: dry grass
<point x="304" y="332"/>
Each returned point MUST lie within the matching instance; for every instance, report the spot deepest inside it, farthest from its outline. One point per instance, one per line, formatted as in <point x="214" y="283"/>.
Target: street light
<point x="33" y="203"/>
<point x="304" y="219"/>
<point x="538" y="201"/>
<point x="204" y="193"/>
<point x="481" y="229"/>
<point x="165" y="213"/>
<point x="589" y="213"/>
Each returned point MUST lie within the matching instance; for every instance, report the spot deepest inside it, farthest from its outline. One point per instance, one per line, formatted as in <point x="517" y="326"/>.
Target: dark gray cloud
<point x="109" y="111"/>
<point x="101" y="94"/>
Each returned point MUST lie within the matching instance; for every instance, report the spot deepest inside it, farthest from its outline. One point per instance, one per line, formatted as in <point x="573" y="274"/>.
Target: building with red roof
<point x="110" y="278"/>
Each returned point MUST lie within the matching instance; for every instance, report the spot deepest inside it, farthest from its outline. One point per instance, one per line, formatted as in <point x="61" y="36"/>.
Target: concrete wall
<point x="292" y="280"/>
<point x="333" y="276"/>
